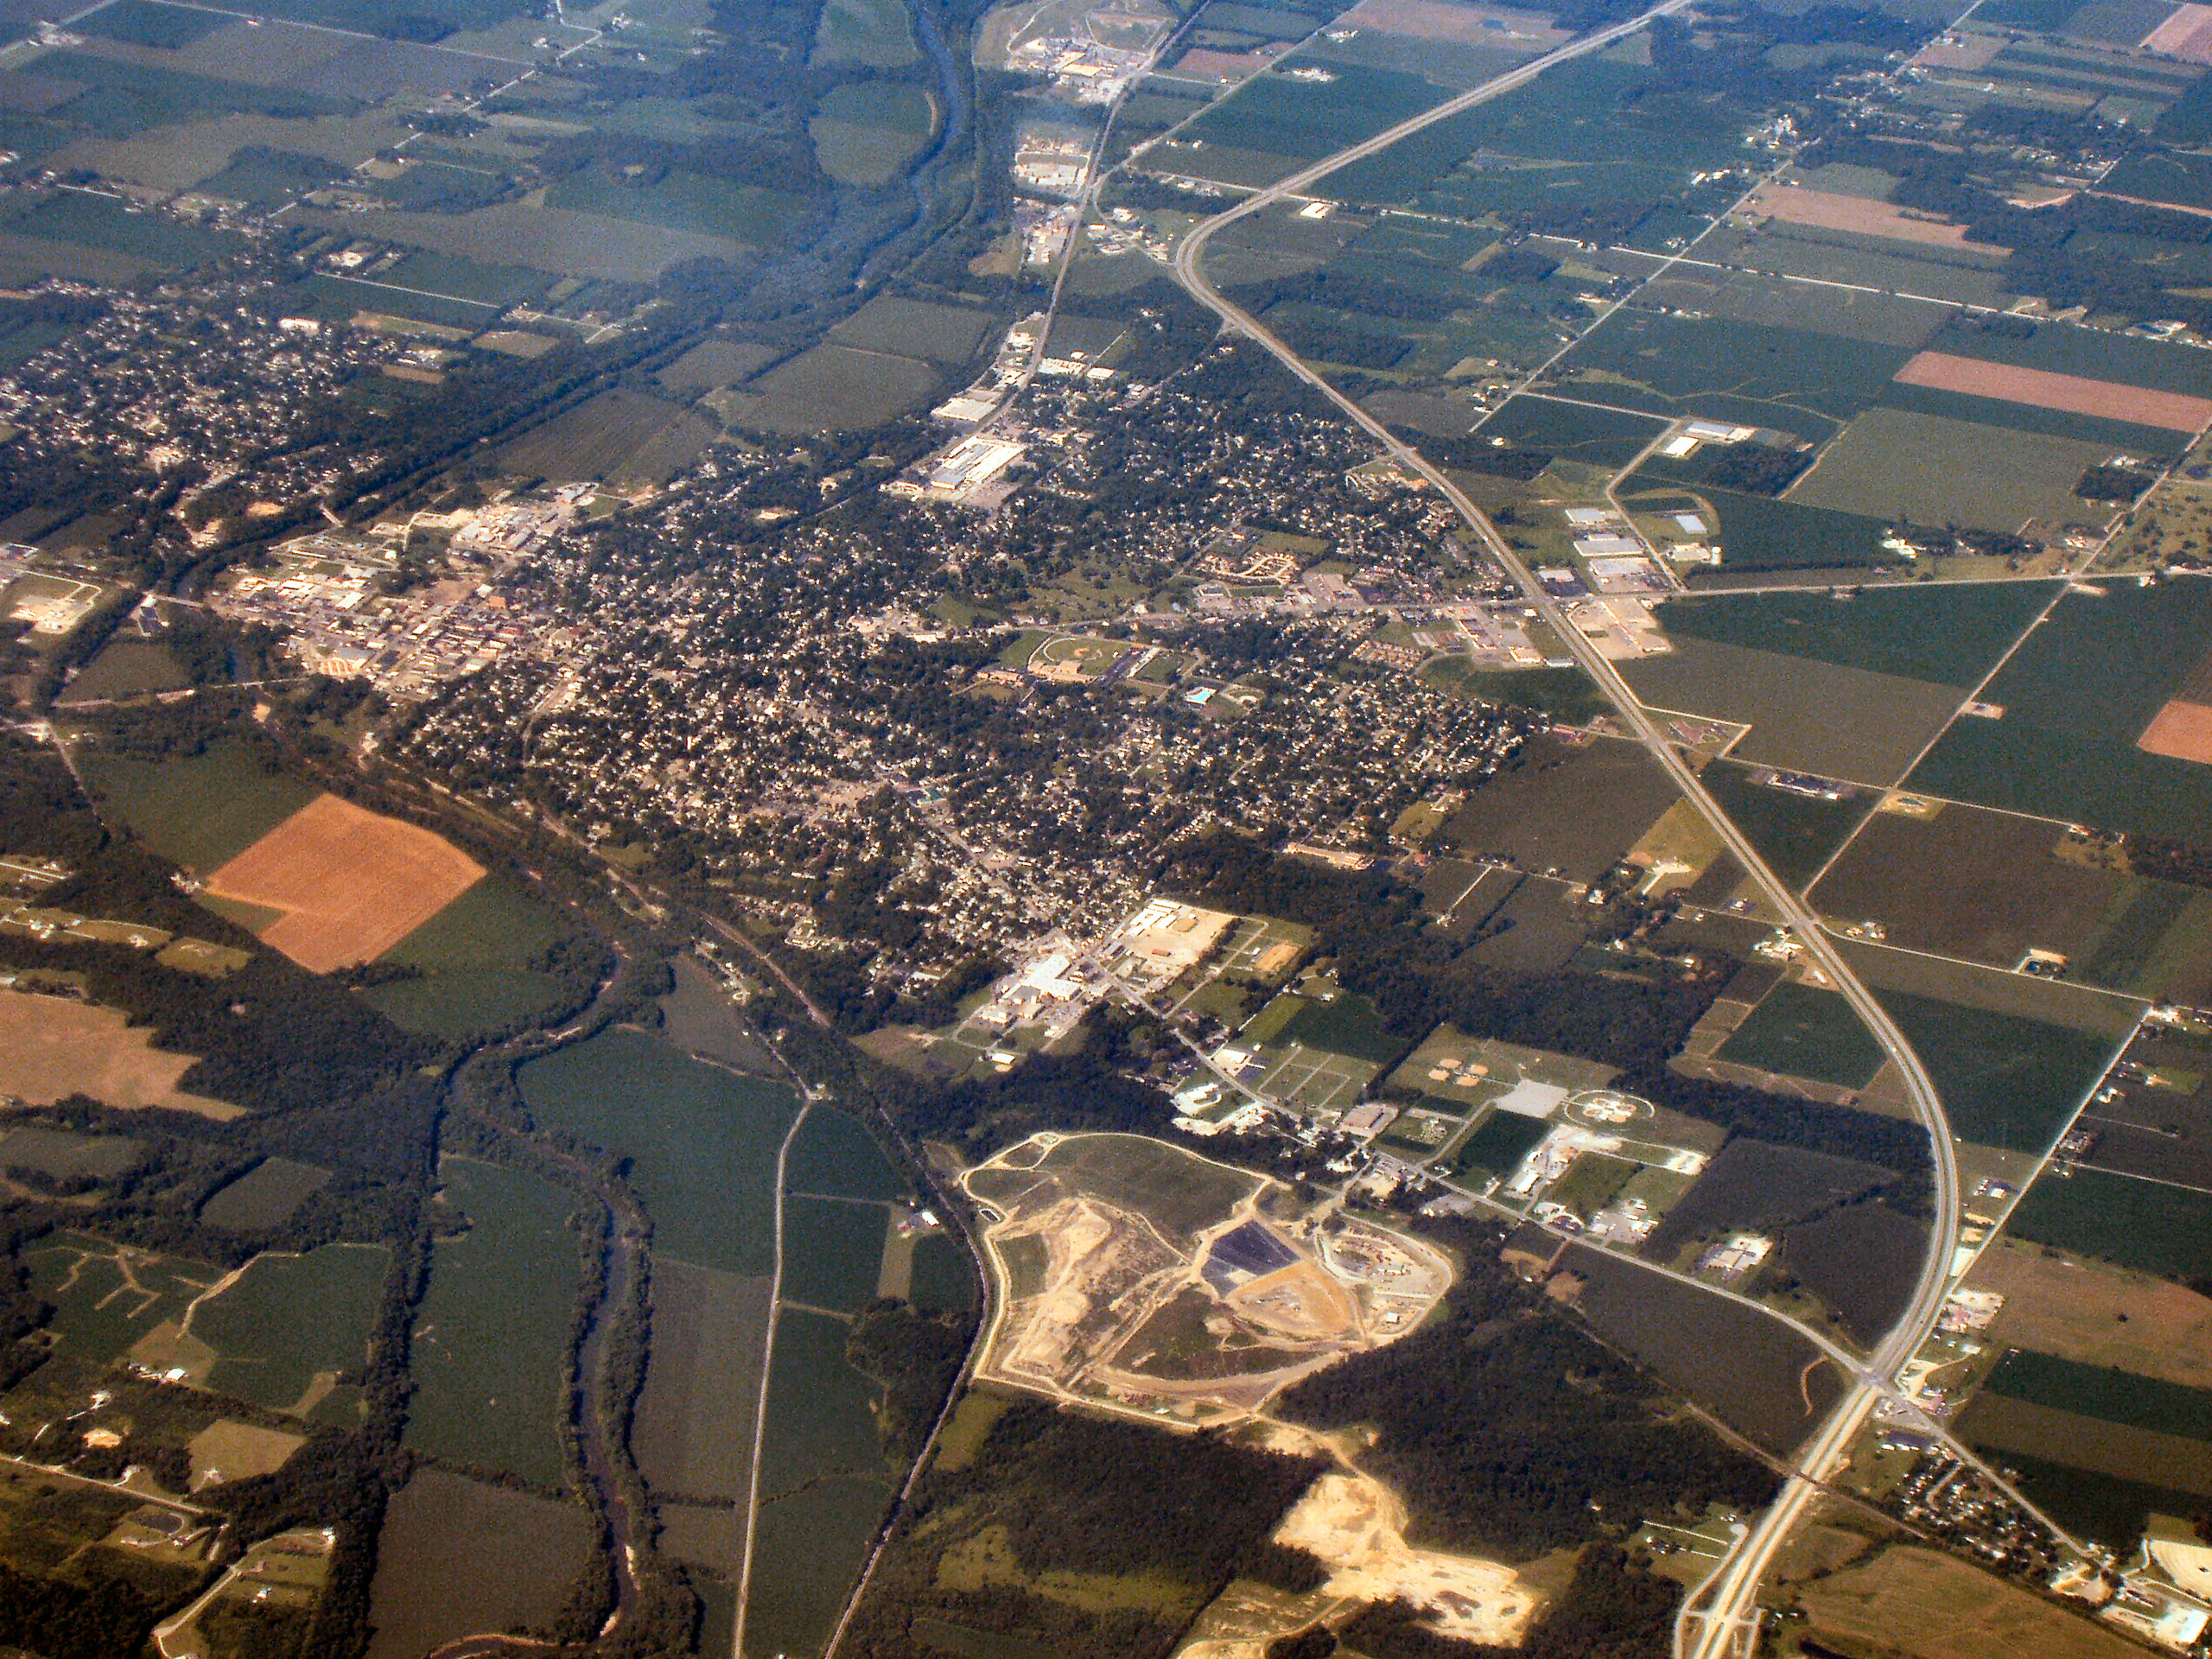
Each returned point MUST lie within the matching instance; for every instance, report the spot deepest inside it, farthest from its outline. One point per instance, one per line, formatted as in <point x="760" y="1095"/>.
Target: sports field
<point x="350" y="883"/>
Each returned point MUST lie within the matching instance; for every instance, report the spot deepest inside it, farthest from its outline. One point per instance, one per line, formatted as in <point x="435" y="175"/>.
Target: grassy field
<point x="63" y="1156"/>
<point x="677" y="201"/>
<point x="490" y="1338"/>
<point x="1596" y="437"/>
<point x="620" y="434"/>
<point x="872" y="32"/>
<point x="1916" y="1604"/>
<point x="143" y="22"/>
<point x="1948" y="635"/>
<point x="2151" y="1227"/>
<point x="291" y="1317"/>
<point x="200" y="810"/>
<point x="2004" y="1081"/>
<point x="1496" y="1147"/>
<point x="121" y="100"/>
<point x="832" y="387"/>
<point x="474" y="956"/>
<point x="1180" y="1192"/>
<point x="2082" y="1309"/>
<point x="2098" y="1391"/>
<point x="1786" y="377"/>
<point x="106" y="1299"/>
<point x="1930" y="470"/>
<point x="1801" y="1031"/>
<point x="1575" y="808"/>
<point x="702" y="1140"/>
<point x="693" y="1430"/>
<point x="943" y="334"/>
<point x="822" y="1461"/>
<point x="1794" y="834"/>
<point x="833" y="1252"/>
<point x="944" y="1274"/>
<point x="867" y="133"/>
<point x="264" y="1196"/>
<point x="127" y="668"/>
<point x="53" y="1047"/>
<point x="457" y="1557"/>
<point x="835" y="1156"/>
<point x="1791" y="704"/>
<point x="1566" y="694"/>
<point x="1758" y="533"/>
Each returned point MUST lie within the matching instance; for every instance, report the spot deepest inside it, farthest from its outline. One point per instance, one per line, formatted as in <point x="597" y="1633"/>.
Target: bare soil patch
<point x="52" y="1047"/>
<point x="1437" y="20"/>
<point x="2186" y="34"/>
<point x="2181" y="731"/>
<point x="350" y="882"/>
<point x="2040" y="389"/>
<point x="1918" y="1605"/>
<point x="1795" y="204"/>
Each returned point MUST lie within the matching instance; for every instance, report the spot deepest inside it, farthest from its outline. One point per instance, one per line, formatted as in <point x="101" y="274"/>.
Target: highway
<point x="1720" y="1621"/>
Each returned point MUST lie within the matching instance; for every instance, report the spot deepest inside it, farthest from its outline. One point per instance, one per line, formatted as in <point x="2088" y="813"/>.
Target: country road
<point x="1721" y="1620"/>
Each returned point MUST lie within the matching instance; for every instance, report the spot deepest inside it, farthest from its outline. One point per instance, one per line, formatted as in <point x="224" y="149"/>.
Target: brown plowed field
<point x="350" y="882"/>
<point x="2187" y="34"/>
<point x="2044" y="390"/>
<point x="1795" y="204"/>
<point x="2182" y="730"/>
<point x="1434" y="20"/>
<point x="2097" y="1314"/>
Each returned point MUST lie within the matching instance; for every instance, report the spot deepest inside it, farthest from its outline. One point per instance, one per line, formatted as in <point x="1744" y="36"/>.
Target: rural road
<point x="1721" y="1620"/>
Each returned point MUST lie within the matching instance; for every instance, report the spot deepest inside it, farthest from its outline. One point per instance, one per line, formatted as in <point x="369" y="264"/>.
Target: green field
<point x="474" y="956"/>
<point x="2146" y="1225"/>
<point x="1179" y="1191"/>
<point x="1760" y="375"/>
<point x="492" y="1334"/>
<point x="1929" y="469"/>
<point x="834" y="1155"/>
<point x="1596" y="437"/>
<point x="680" y="202"/>
<point x="943" y="334"/>
<point x="1273" y="114"/>
<point x="265" y="1196"/>
<point x="1947" y="635"/>
<point x="290" y="1317"/>
<point x="702" y="1142"/>
<point x="144" y="22"/>
<point x="1803" y="1031"/>
<point x="833" y="1252"/>
<point x="121" y="100"/>
<point x="199" y="811"/>
<point x="1759" y="533"/>
<point x="872" y="32"/>
<point x="466" y="279"/>
<point x="2004" y="1081"/>
<point x="831" y="387"/>
<point x="1794" y="834"/>
<point x="822" y="1475"/>
<point x="1498" y="1146"/>
<point x="2075" y="696"/>
<point x="2146" y="1402"/>
<point x="61" y="1155"/>
<point x="944" y="1274"/>
<point x="2095" y="1506"/>
<point x="2093" y="353"/>
<point x="866" y="133"/>
<point x="1566" y="694"/>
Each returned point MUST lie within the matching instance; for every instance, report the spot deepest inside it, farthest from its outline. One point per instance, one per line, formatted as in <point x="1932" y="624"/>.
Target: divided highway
<point x="1720" y="1621"/>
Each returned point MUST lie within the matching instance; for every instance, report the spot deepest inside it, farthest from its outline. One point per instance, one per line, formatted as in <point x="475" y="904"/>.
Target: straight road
<point x="1722" y="1620"/>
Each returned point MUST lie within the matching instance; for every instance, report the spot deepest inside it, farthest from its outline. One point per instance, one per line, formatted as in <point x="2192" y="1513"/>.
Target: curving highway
<point x="1720" y="1621"/>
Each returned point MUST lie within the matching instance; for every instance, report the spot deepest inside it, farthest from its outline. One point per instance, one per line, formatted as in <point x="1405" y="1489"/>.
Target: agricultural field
<point x="474" y="958"/>
<point x="1990" y="886"/>
<point x="287" y="1326"/>
<point x="2079" y="700"/>
<point x="1749" y="374"/>
<point x="265" y="1196"/>
<point x="833" y="1252"/>
<point x="1919" y="1604"/>
<point x="823" y="1485"/>
<point x="2148" y="1227"/>
<point x="492" y="1334"/>
<point x="2155" y="1120"/>
<point x="108" y="1296"/>
<point x="701" y="1140"/>
<point x="61" y="1155"/>
<point x="1760" y="1378"/>
<point x="620" y="436"/>
<point x="2079" y="1309"/>
<point x="457" y="1557"/>
<point x="197" y="811"/>
<point x="1861" y="1261"/>
<point x="2006" y="1080"/>
<point x="1757" y="534"/>
<point x="347" y="884"/>
<point x="867" y="134"/>
<point x="1790" y="703"/>
<point x="1803" y="1030"/>
<point x="53" y="1047"/>
<point x="833" y="1156"/>
<point x="831" y="387"/>
<point x="1796" y="834"/>
<point x="1951" y="635"/>
<point x="694" y="1429"/>
<point x="1758" y="1185"/>
<point x="1894" y="464"/>
<point x="1573" y="807"/>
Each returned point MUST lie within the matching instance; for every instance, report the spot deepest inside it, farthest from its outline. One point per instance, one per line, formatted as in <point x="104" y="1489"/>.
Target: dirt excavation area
<point x="1355" y="1527"/>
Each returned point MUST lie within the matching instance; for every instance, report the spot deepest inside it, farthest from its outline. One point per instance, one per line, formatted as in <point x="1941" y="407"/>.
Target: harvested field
<point x="1919" y="1605"/>
<point x="1437" y="20"/>
<point x="351" y="883"/>
<point x="52" y="1047"/>
<point x="1795" y="204"/>
<point x="693" y="1430"/>
<point x="2182" y="731"/>
<point x="231" y="1450"/>
<point x="457" y="1558"/>
<point x="2186" y="34"/>
<point x="2089" y="1311"/>
<point x="2071" y="392"/>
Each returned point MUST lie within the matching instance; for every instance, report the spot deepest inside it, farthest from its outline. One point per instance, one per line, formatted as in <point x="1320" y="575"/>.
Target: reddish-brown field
<point x="350" y="882"/>
<point x="2097" y="1314"/>
<point x="1795" y="204"/>
<point x="2186" y="34"/>
<point x="1435" y="20"/>
<point x="1224" y="66"/>
<point x="2182" y="730"/>
<point x="2070" y="392"/>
